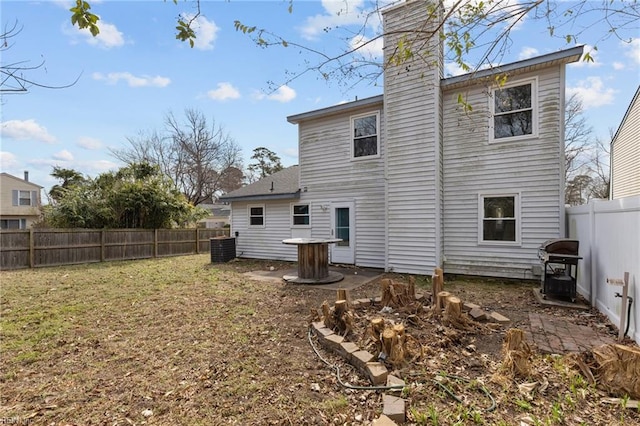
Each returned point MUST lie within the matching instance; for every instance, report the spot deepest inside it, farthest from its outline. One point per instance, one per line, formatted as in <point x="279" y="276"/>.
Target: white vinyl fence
<point x="609" y="235"/>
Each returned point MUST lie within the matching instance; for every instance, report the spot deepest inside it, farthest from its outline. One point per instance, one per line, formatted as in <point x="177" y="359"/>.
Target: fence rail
<point x="35" y="248"/>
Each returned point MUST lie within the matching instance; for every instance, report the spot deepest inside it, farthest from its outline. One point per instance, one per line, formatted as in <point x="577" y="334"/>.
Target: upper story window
<point x="499" y="217"/>
<point x="366" y="136"/>
<point x="256" y="215"/>
<point x="514" y="112"/>
<point x="23" y="198"/>
<point x="300" y="215"/>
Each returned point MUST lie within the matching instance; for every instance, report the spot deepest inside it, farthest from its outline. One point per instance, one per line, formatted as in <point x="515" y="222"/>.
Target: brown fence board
<point x="50" y="247"/>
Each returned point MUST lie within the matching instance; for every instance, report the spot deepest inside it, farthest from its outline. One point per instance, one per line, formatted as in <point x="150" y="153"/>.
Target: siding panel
<point x="529" y="167"/>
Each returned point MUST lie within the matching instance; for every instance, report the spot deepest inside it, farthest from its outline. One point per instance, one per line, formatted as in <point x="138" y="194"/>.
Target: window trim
<point x="518" y="218"/>
<point x="292" y="215"/>
<point x="533" y="81"/>
<point x="352" y="137"/>
<point x="264" y="215"/>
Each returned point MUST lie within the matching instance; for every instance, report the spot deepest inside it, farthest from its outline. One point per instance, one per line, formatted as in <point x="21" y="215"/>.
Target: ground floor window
<point x="256" y="215"/>
<point x="499" y="218"/>
<point x="300" y="215"/>
<point x="13" y="224"/>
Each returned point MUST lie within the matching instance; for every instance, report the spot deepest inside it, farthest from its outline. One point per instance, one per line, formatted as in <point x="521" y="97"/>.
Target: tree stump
<point x="453" y="312"/>
<point x="440" y="300"/>
<point x="327" y="315"/>
<point x="618" y="370"/>
<point x="516" y="353"/>
<point x="437" y="285"/>
<point x="341" y="294"/>
<point x="397" y="294"/>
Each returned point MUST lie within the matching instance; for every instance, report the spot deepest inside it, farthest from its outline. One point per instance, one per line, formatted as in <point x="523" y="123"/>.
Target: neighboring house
<point x="19" y="202"/>
<point x="625" y="153"/>
<point x="218" y="215"/>
<point x="411" y="180"/>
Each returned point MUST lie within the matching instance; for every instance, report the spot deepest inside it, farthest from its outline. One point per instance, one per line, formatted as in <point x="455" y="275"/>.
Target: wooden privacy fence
<point x="49" y="247"/>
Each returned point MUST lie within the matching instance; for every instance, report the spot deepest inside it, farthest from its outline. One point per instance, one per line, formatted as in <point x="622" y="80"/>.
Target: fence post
<point x="155" y="243"/>
<point x="32" y="254"/>
<point x="102" y="245"/>
<point x="197" y="241"/>
<point x="593" y="253"/>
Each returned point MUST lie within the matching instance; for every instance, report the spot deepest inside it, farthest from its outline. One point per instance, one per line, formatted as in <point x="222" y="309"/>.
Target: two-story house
<point x="19" y="202"/>
<point x="625" y="153"/>
<point x="411" y="179"/>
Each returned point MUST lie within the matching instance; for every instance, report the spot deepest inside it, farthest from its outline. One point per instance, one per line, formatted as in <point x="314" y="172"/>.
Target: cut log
<point x="440" y="299"/>
<point x="453" y="313"/>
<point x="341" y="294"/>
<point x="397" y="294"/>
<point x="516" y="354"/>
<point x="411" y="289"/>
<point x="437" y="284"/>
<point x="377" y="325"/>
<point x="327" y="315"/>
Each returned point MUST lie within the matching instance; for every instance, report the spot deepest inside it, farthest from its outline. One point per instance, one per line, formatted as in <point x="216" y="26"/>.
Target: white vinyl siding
<point x="625" y="154"/>
<point x="412" y="111"/>
<point x="528" y="167"/>
<point x="330" y="176"/>
<point x="263" y="242"/>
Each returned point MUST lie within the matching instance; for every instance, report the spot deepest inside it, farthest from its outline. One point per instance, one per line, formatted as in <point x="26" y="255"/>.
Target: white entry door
<point x="343" y="227"/>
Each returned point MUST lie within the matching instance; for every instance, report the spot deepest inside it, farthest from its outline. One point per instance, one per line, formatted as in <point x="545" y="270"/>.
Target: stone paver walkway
<point x="557" y="336"/>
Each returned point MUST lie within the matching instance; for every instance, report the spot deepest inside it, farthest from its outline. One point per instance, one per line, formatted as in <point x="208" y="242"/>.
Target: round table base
<point x="331" y="278"/>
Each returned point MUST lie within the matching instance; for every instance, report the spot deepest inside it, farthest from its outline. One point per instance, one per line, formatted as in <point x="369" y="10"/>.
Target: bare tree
<point x="577" y="137"/>
<point x="14" y="76"/>
<point x="199" y="158"/>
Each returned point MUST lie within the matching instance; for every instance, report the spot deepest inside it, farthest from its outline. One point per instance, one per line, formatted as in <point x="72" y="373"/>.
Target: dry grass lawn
<point x="181" y="341"/>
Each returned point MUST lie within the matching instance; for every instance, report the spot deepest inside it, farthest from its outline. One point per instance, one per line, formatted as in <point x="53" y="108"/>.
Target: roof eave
<point x="560" y="57"/>
<point x="260" y="197"/>
<point x="335" y="109"/>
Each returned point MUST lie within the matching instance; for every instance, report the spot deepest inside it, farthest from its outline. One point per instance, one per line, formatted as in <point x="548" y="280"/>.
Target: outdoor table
<point x="313" y="261"/>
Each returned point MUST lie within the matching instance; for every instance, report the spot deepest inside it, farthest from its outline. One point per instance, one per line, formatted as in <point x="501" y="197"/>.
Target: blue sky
<point x="135" y="72"/>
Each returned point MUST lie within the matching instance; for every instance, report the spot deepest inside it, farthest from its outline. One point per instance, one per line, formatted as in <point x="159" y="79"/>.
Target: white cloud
<point x="283" y="94"/>
<point x="451" y="69"/>
<point x="26" y="130"/>
<point x="618" y="66"/>
<point x="7" y="160"/>
<point x="223" y="92"/>
<point x="370" y="49"/>
<point x="592" y="92"/>
<point x="338" y="14"/>
<point x="63" y="155"/>
<point x="206" y="31"/>
<point x="591" y="51"/>
<point x="89" y="143"/>
<point x="528" y="52"/>
<point x="632" y="50"/>
<point x="108" y="37"/>
<point x="132" y="80"/>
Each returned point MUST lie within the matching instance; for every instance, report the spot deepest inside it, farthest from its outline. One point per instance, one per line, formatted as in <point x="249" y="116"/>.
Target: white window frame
<point x="518" y="218"/>
<point x="264" y="215"/>
<point x="293" y="224"/>
<point x="534" y="110"/>
<point x="352" y="138"/>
